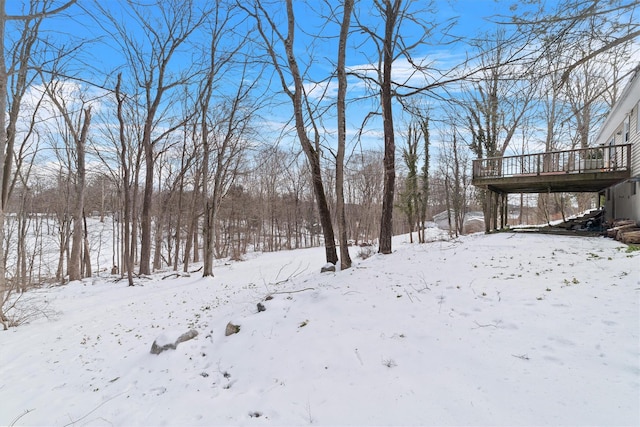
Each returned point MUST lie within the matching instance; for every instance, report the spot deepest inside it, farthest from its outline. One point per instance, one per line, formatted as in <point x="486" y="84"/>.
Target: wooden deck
<point x="580" y="170"/>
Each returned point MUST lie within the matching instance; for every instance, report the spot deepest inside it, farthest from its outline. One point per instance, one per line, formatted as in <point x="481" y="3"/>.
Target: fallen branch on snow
<point x="486" y="326"/>
<point x="291" y="292"/>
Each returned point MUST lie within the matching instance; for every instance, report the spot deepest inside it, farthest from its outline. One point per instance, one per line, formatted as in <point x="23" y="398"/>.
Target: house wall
<point x="622" y="126"/>
<point x="635" y="141"/>
<point x="623" y="201"/>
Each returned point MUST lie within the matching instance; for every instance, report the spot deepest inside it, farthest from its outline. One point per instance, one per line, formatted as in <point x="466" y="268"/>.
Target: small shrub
<point x="366" y="252"/>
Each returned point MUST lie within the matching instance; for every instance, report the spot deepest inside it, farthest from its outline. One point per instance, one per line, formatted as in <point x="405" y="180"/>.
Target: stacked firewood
<point x="625" y="230"/>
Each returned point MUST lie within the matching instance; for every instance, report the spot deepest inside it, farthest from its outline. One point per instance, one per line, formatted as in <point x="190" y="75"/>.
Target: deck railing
<point x="608" y="158"/>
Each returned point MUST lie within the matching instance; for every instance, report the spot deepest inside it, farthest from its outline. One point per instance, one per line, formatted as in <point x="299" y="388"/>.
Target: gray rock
<point x="162" y="343"/>
<point x="328" y="267"/>
<point x="231" y="329"/>
<point x="159" y="348"/>
<point x="191" y="334"/>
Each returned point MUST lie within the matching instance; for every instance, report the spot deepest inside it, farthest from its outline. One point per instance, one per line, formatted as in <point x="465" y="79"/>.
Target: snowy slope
<point x="504" y="329"/>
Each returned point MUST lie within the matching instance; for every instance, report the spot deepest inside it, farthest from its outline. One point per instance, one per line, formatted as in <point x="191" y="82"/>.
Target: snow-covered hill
<point x="504" y="329"/>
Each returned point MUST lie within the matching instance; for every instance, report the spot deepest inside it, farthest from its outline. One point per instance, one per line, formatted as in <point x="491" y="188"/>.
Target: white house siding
<point x="635" y="140"/>
<point x="622" y="126"/>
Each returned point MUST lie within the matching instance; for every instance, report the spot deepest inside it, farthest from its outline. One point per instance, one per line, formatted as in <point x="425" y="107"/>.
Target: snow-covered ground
<point x="502" y="329"/>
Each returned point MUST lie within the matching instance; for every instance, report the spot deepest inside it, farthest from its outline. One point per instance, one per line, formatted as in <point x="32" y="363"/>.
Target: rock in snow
<point x="231" y="329"/>
<point x="162" y="342"/>
<point x="328" y="267"/>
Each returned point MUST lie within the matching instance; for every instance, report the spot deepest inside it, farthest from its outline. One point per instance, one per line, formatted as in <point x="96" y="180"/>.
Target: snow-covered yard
<point x="503" y="329"/>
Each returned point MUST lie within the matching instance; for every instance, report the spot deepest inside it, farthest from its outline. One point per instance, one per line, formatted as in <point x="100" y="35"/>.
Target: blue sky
<point x="100" y="60"/>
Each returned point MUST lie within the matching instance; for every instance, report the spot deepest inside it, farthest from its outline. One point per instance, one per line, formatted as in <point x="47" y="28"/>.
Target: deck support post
<point x="494" y="209"/>
<point x="504" y="211"/>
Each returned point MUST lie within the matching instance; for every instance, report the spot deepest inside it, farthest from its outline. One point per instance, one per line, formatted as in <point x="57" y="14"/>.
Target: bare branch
<point x="43" y="14"/>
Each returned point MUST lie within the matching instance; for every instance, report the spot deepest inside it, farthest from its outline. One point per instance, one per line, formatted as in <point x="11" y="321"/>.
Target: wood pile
<point x="631" y="237"/>
<point x="591" y="221"/>
<point x="626" y="231"/>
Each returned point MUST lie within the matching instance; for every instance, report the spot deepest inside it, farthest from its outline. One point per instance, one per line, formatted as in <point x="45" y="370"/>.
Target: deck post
<point x="494" y="210"/>
<point x="504" y="211"/>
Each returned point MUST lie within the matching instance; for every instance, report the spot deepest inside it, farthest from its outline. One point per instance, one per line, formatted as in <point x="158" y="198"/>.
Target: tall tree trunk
<point x="424" y="193"/>
<point x="147" y="200"/>
<point x="161" y="219"/>
<point x="86" y="257"/>
<point x="3" y="143"/>
<point x="135" y="221"/>
<point x="386" y="97"/>
<point x="296" y="95"/>
<point x="178" y="225"/>
<point x="208" y="202"/>
<point x="312" y="154"/>
<point x="126" y="185"/>
<point x="208" y="237"/>
<point x="193" y="222"/>
<point x="77" y="244"/>
<point x="345" y="259"/>
<point x="21" y="261"/>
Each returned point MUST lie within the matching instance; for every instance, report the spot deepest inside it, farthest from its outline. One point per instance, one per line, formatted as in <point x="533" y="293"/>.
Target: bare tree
<point x="497" y="103"/>
<point x="186" y="164"/>
<point x="310" y="143"/>
<point x="454" y="162"/>
<point x="590" y="91"/>
<point x="393" y="43"/>
<point x="121" y="156"/>
<point x="125" y="166"/>
<point x="409" y="196"/>
<point x="151" y="54"/>
<point x="391" y="14"/>
<point x="345" y="259"/>
<point x="572" y="23"/>
<point x="195" y="211"/>
<point x="171" y="173"/>
<point x="224" y="150"/>
<point x="424" y="177"/>
<point x="37" y="11"/>
<point x="365" y="181"/>
<point x="296" y="185"/>
<point x="270" y="174"/>
<point x="77" y="126"/>
<point x="225" y="122"/>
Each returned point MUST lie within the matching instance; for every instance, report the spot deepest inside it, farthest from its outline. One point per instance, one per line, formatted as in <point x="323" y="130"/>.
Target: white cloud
<point x="321" y="91"/>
